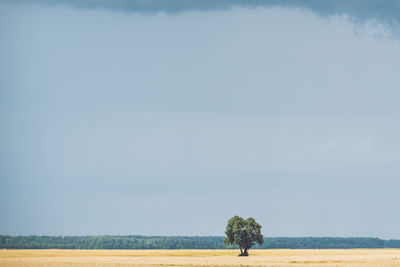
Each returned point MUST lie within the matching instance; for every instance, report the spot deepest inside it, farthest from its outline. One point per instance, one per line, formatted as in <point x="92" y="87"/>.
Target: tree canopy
<point x="243" y="233"/>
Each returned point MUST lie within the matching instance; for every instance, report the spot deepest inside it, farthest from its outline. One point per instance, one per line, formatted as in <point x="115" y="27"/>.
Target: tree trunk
<point x="245" y="252"/>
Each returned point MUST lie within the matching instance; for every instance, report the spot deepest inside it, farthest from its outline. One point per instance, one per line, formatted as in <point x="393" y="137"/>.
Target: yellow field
<point x="273" y="257"/>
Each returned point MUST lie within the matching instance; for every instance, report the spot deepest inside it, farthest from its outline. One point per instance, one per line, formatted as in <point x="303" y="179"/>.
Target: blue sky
<point x="168" y="119"/>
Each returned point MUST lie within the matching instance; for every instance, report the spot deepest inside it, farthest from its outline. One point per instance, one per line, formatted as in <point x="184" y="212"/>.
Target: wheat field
<point x="270" y="257"/>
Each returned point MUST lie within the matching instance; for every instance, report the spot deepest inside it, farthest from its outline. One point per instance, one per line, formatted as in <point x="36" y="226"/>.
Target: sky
<point x="170" y="117"/>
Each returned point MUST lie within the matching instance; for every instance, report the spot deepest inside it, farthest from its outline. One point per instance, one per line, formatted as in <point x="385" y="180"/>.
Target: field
<point x="273" y="257"/>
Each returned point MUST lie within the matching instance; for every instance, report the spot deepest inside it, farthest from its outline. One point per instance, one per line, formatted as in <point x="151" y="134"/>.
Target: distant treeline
<point x="184" y="242"/>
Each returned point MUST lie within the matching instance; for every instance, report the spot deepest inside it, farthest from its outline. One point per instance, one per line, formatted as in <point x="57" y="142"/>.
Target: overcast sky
<point x="170" y="117"/>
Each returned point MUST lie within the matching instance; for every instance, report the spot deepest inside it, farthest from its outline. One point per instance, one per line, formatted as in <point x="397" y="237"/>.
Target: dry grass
<point x="273" y="257"/>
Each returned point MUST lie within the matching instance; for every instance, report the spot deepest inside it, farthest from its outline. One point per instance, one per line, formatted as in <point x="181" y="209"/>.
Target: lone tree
<point x="243" y="233"/>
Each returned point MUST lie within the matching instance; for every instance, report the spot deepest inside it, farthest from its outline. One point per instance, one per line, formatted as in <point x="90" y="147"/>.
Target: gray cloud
<point x="388" y="10"/>
<point x="385" y="12"/>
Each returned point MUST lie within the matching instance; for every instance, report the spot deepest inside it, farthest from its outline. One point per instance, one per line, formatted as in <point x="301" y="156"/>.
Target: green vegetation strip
<point x="184" y="242"/>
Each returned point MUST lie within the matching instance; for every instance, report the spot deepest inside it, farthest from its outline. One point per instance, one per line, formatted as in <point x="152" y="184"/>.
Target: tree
<point x="243" y="233"/>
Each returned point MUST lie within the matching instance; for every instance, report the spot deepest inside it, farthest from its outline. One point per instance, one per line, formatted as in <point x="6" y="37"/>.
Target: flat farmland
<point x="268" y="257"/>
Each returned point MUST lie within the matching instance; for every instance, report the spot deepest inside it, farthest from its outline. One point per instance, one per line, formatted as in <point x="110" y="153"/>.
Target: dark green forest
<point x="184" y="242"/>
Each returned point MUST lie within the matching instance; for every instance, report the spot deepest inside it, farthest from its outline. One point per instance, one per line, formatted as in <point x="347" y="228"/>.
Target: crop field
<point x="273" y="257"/>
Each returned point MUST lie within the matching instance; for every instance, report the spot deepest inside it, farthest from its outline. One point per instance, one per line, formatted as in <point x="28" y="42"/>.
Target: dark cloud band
<point x="385" y="11"/>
